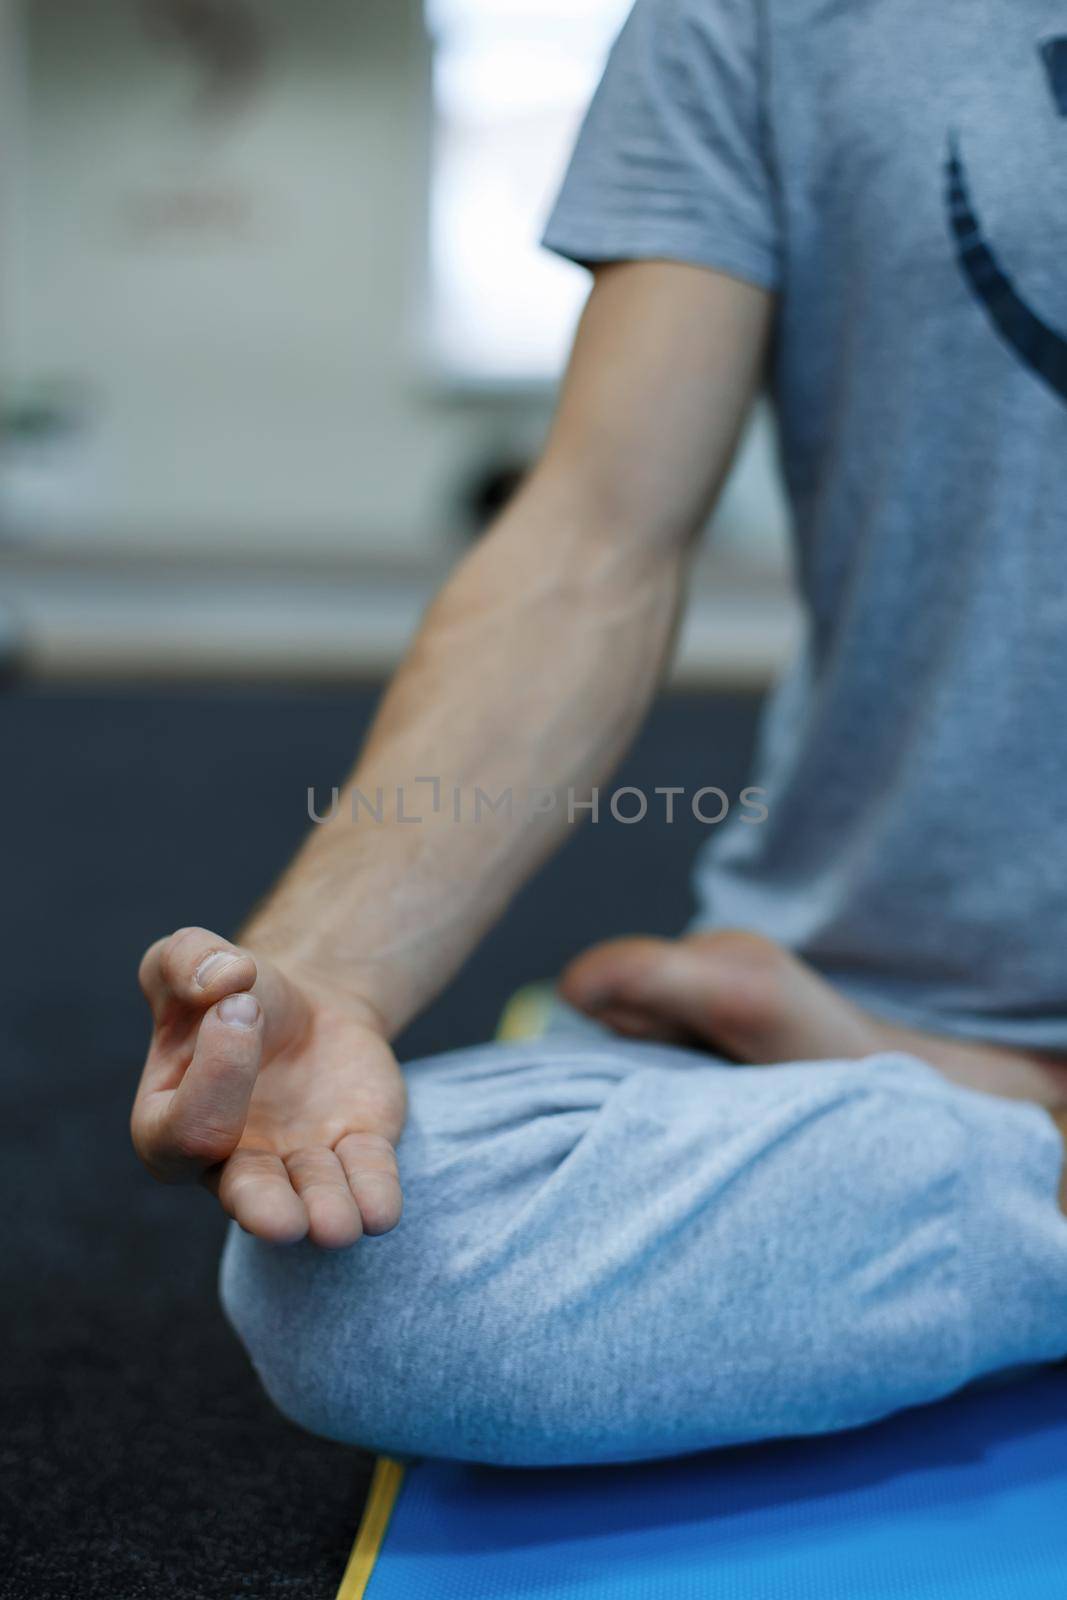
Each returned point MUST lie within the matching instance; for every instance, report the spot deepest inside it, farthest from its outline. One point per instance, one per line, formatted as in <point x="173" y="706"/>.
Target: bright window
<point x="511" y="81"/>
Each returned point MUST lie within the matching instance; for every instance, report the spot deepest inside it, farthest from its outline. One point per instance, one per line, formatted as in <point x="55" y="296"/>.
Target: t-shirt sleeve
<point x="672" y="159"/>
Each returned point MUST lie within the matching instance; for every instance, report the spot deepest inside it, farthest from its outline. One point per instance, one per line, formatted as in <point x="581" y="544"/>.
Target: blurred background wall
<point x="274" y="337"/>
<point x="276" y="331"/>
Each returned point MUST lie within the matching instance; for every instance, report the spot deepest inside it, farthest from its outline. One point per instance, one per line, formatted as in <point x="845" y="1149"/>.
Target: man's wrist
<point x="356" y="989"/>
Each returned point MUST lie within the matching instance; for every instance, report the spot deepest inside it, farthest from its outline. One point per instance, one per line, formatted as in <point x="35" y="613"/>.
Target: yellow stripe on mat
<point x="524" y="1017"/>
<point x="384" y="1488"/>
<point x="526" y="1013"/>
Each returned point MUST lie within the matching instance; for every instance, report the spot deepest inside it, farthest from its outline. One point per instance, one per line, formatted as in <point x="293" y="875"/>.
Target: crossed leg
<point x="613" y="1250"/>
<point x="744" y="996"/>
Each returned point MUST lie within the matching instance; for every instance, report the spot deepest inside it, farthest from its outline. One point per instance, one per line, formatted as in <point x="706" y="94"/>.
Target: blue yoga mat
<point x="966" y="1500"/>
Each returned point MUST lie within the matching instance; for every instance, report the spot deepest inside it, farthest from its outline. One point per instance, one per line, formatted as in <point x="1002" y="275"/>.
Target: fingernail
<point x="212" y="965"/>
<point x="239" y="1010"/>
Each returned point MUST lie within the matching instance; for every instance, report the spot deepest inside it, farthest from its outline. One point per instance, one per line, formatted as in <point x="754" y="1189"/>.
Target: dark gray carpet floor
<point x="138" y="1458"/>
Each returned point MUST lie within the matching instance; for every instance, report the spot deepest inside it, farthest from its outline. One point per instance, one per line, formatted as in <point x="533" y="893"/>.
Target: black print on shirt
<point x="1038" y="345"/>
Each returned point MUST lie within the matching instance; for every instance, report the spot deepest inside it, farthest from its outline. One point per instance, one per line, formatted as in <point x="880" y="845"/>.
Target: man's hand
<point x="285" y="1103"/>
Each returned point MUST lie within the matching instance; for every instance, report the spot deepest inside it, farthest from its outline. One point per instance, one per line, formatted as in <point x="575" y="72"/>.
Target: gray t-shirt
<point x="897" y="171"/>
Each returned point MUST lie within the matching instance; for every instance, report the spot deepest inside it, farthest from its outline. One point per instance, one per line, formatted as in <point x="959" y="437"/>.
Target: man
<point x="616" y="1247"/>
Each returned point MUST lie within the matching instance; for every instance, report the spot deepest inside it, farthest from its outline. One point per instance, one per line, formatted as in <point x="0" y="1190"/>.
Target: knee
<point x="407" y="1355"/>
<point x="409" y="1344"/>
<point x="476" y="1329"/>
<point x="514" y="1316"/>
<point x="265" y="1292"/>
<point x="329" y="1338"/>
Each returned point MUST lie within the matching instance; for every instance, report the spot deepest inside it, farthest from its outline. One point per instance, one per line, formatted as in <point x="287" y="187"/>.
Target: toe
<point x="612" y="974"/>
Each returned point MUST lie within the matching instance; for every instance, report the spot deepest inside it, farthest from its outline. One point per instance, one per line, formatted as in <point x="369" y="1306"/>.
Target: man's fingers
<point x="319" y="1180"/>
<point x="255" y="1189"/>
<point x="332" y="1197"/>
<point x="194" y="967"/>
<point x="205" y="1115"/>
<point x="369" y="1164"/>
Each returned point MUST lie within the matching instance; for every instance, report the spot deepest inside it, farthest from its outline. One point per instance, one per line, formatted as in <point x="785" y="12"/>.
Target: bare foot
<point x="747" y="998"/>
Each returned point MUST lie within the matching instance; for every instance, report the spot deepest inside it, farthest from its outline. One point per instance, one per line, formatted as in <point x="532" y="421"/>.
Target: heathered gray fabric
<point x="613" y="1250"/>
<point x="916" y="849"/>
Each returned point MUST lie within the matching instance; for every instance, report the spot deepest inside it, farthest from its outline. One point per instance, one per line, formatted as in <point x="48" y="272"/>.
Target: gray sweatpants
<point x="613" y="1250"/>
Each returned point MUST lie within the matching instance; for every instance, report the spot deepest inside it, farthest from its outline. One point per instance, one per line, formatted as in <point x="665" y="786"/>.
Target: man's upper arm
<point x="673" y="190"/>
<point x="665" y="365"/>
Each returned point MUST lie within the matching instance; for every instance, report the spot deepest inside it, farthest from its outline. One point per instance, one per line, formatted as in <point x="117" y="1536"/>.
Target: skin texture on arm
<point x="536" y="664"/>
<point x="269" y="1075"/>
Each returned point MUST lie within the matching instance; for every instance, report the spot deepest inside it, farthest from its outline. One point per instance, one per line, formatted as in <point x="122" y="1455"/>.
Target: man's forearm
<point x="535" y="666"/>
<point x="523" y="688"/>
